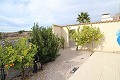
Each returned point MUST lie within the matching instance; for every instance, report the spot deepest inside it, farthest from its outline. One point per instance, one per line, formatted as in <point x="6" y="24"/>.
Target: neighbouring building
<point x="106" y="17"/>
<point x="116" y="17"/>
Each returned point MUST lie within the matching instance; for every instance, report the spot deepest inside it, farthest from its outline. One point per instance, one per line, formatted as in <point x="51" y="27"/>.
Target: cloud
<point x="43" y="11"/>
<point x="17" y="13"/>
<point x="11" y="9"/>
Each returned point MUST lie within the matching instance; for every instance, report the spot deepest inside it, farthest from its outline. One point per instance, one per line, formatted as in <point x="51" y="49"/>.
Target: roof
<point x="58" y="25"/>
<point x="106" y="14"/>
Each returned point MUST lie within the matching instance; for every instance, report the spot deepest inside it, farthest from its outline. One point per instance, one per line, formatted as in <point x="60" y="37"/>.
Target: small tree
<point x="47" y="43"/>
<point x="25" y="52"/>
<point x="87" y="35"/>
<point x="7" y="57"/>
<point x="75" y="36"/>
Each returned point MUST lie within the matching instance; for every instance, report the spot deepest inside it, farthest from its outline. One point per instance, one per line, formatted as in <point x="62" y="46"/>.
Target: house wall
<point x="57" y="30"/>
<point x="109" y="29"/>
<point x="61" y="31"/>
<point x="65" y="34"/>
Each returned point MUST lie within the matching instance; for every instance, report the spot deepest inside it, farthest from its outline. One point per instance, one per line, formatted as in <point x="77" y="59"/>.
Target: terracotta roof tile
<point x="89" y="23"/>
<point x="58" y="25"/>
<point x="95" y="23"/>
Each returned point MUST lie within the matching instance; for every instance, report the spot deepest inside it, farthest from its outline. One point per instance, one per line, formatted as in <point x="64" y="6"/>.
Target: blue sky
<point x="18" y="15"/>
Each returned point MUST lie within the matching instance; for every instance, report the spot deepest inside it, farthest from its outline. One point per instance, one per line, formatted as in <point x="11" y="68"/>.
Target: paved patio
<point x="100" y="66"/>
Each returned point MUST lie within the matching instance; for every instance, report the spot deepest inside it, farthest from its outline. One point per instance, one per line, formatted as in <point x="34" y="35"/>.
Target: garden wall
<point x="109" y="29"/>
<point x="61" y="31"/>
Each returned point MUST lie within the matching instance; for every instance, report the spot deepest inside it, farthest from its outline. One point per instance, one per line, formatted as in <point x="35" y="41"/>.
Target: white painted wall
<point x="61" y="31"/>
<point x="109" y="29"/>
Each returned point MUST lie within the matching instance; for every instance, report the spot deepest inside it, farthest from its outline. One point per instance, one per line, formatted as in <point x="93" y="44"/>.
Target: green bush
<point x="89" y="34"/>
<point x="24" y="53"/>
<point x="86" y="35"/>
<point x="21" y="31"/>
<point x="7" y="57"/>
<point x="62" y="41"/>
<point x="18" y="55"/>
<point x="47" y="43"/>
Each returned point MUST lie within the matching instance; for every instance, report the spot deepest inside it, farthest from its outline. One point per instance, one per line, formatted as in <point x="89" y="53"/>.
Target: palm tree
<point x="83" y="17"/>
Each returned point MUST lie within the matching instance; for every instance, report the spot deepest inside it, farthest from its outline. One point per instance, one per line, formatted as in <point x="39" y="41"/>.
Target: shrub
<point x="21" y="31"/>
<point x="47" y="43"/>
<point x="62" y="41"/>
<point x="20" y="55"/>
<point x="24" y="52"/>
<point x="7" y="57"/>
<point x="87" y="35"/>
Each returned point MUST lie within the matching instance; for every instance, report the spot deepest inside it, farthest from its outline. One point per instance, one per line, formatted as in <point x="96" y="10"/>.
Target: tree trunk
<point x="35" y="68"/>
<point x="41" y="66"/>
<point x="3" y="75"/>
<point x="77" y="47"/>
<point x="23" y="74"/>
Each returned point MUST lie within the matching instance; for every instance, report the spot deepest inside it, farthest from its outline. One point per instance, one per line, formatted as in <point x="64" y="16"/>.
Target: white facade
<point x="106" y="17"/>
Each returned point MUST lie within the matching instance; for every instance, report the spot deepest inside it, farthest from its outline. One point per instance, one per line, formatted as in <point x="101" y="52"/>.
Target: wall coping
<point x="100" y="22"/>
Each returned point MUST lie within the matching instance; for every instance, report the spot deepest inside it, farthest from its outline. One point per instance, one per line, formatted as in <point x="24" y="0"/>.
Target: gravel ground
<point x="61" y="67"/>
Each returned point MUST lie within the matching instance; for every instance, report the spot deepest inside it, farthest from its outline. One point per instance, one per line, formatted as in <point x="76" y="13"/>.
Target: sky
<point x="18" y="15"/>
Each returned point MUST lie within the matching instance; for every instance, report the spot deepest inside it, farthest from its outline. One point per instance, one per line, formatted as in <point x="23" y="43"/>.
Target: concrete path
<point x="100" y="66"/>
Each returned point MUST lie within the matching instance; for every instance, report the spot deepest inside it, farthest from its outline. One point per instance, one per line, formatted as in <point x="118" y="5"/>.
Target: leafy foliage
<point x="21" y="31"/>
<point x="47" y="43"/>
<point x="20" y="55"/>
<point x="24" y="54"/>
<point x="62" y="41"/>
<point x="86" y="35"/>
<point x="7" y="54"/>
<point x="83" y="17"/>
<point x="73" y="34"/>
<point x="7" y="57"/>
